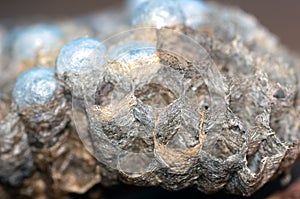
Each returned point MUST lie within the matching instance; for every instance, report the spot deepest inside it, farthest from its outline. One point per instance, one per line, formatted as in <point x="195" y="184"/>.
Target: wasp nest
<point x="205" y="97"/>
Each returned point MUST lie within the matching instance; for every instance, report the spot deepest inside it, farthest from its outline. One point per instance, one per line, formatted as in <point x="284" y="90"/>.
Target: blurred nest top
<point x="281" y="18"/>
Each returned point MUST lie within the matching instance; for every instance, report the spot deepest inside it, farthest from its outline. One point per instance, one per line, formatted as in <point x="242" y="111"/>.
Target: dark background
<point x="280" y="16"/>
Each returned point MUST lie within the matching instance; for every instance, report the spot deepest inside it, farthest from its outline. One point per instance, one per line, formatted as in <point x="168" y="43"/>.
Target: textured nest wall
<point x="215" y="107"/>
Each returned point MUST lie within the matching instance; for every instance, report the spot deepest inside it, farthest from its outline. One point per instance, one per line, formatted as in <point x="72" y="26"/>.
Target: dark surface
<point x="131" y="192"/>
<point x="281" y="17"/>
